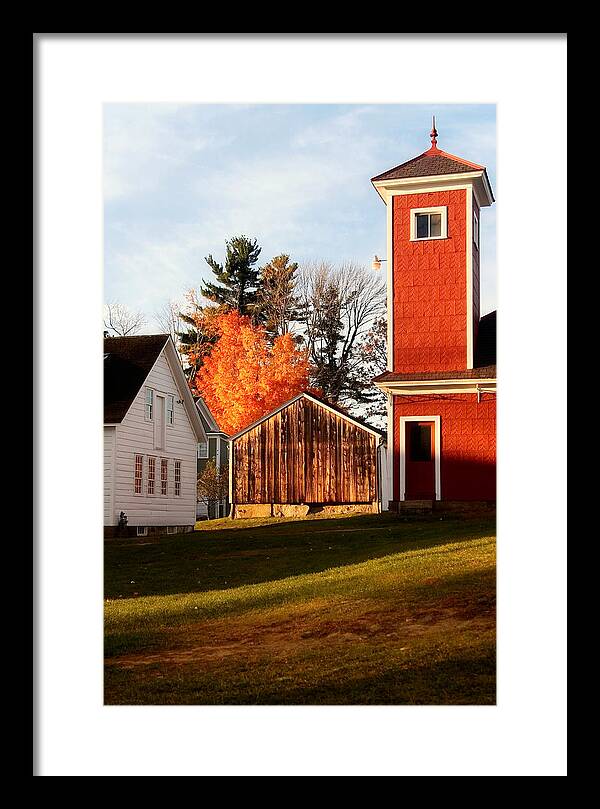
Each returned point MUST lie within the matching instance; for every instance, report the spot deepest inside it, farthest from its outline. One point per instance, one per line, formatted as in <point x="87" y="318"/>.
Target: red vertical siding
<point x="430" y="309"/>
<point x="468" y="442"/>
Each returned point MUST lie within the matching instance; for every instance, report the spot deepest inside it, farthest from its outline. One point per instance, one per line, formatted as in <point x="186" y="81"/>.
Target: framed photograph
<point x="282" y="264"/>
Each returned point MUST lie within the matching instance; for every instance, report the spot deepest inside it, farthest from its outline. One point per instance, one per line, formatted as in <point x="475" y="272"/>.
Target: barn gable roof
<point x="317" y="400"/>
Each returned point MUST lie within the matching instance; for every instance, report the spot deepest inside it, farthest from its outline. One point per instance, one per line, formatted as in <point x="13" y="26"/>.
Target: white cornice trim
<point x="427" y="386"/>
<point x="413" y="185"/>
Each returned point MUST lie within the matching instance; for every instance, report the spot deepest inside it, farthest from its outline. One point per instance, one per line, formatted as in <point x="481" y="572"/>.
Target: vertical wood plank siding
<point x="305" y="454"/>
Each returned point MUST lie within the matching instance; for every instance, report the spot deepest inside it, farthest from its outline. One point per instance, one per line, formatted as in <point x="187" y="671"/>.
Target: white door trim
<point x="437" y="445"/>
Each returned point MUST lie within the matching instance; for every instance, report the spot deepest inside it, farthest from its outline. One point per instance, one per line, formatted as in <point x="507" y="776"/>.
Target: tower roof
<point x="431" y="163"/>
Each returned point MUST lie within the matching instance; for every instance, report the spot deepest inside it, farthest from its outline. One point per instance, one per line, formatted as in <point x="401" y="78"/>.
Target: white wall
<point x="136" y="435"/>
<point x="109" y="476"/>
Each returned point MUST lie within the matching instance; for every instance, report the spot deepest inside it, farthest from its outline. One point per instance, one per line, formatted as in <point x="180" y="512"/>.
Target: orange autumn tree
<point x="244" y="377"/>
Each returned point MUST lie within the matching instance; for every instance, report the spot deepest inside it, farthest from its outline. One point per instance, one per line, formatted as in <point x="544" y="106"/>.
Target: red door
<point x="420" y="460"/>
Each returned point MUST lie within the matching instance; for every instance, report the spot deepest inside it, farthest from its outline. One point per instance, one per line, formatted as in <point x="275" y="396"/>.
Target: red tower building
<point x="441" y="374"/>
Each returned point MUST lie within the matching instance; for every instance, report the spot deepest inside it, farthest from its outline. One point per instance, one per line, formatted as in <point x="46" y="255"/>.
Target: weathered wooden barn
<point x="306" y="453"/>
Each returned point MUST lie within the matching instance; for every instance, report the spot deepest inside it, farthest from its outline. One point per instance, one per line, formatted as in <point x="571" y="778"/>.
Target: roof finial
<point x="433" y="134"/>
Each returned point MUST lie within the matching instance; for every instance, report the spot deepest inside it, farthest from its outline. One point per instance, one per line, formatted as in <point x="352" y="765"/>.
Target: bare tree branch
<point x="339" y="306"/>
<point x="121" y="321"/>
<point x="168" y="319"/>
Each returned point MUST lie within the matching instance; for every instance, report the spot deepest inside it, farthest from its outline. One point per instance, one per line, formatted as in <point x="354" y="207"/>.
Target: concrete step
<point x="416" y="506"/>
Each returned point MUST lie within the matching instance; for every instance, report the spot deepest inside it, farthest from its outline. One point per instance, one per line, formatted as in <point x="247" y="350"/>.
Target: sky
<point x="181" y="179"/>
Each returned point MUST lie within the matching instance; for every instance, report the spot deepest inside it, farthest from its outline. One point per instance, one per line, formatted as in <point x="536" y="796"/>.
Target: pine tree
<point x="238" y="278"/>
<point x="196" y="334"/>
<point x="277" y="303"/>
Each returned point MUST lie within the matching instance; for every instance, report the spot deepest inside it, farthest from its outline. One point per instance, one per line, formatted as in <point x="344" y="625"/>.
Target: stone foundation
<point x="346" y="508"/>
<point x="250" y="510"/>
<point x="114" y="532"/>
<point x="449" y="506"/>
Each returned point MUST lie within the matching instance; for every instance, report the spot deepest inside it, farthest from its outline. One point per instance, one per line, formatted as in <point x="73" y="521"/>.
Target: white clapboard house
<point x="151" y="433"/>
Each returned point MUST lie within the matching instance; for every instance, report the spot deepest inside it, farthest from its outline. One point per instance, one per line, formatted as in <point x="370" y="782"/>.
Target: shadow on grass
<point x="230" y="557"/>
<point x="465" y="679"/>
<point x="469" y="680"/>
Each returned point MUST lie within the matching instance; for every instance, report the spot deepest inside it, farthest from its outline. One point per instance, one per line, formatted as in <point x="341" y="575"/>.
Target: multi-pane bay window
<point x="177" y="478"/>
<point x="170" y="409"/>
<point x="428" y="223"/>
<point x="164" y="475"/>
<point x="137" y="477"/>
<point x="151" y="473"/>
<point x="149" y="403"/>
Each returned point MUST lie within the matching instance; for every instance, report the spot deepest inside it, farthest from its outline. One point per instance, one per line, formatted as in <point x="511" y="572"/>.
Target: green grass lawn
<point x="369" y="609"/>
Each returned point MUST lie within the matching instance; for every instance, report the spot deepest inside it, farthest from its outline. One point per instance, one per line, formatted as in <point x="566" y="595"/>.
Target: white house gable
<point x="154" y="450"/>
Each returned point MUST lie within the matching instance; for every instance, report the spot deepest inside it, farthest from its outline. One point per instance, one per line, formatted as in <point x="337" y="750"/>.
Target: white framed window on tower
<point x="149" y="414"/>
<point x="428" y="223"/>
<point x="170" y="409"/>
<point x="475" y="229"/>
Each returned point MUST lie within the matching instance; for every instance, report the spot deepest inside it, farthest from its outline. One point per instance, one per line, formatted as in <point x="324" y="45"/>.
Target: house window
<point x="164" y="475"/>
<point x="428" y="223"/>
<point x="151" y="474"/>
<point x="149" y="403"/>
<point x="142" y="530"/>
<point x="170" y="409"/>
<point x="177" y="478"/>
<point x="203" y="449"/>
<point x="137" y="478"/>
<point x="475" y="230"/>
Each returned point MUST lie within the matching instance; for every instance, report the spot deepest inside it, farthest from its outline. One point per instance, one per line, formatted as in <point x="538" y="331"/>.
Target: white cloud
<point x="179" y="180"/>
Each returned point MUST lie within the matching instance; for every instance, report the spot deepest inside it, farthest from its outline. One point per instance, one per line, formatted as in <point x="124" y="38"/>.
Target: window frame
<point x="164" y="479"/>
<point x="149" y="414"/>
<point x="475" y="229"/>
<point x="141" y="531"/>
<point x="203" y="457"/>
<point x="170" y="411"/>
<point x="151" y="478"/>
<point x="177" y="477"/>
<point x="439" y="209"/>
<point x="139" y="493"/>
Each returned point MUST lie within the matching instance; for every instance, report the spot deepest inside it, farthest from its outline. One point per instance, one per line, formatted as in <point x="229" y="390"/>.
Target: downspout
<point x="379" y="477"/>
